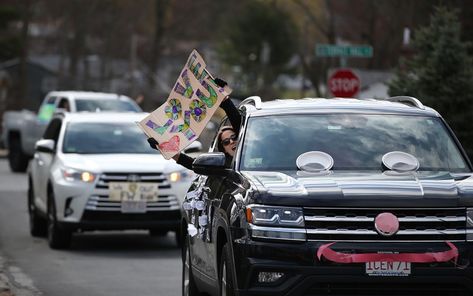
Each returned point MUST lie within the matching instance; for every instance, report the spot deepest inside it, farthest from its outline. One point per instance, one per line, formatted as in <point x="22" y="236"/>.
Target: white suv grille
<point x="100" y="201"/>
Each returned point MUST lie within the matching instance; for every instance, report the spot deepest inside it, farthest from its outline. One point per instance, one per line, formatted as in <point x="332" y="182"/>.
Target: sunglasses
<point x="227" y="141"/>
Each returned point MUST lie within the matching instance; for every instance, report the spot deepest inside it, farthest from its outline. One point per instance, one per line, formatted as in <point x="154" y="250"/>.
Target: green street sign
<point x="355" y="51"/>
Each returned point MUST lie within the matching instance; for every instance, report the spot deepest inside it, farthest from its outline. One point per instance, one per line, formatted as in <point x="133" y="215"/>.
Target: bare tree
<point x="26" y="11"/>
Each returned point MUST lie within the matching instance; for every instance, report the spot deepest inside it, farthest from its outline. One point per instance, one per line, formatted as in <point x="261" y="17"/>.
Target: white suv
<point x="96" y="171"/>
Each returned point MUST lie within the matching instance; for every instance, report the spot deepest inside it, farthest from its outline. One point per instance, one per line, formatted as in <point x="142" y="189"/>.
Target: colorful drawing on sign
<point x="198" y="110"/>
<point x="173" y="109"/>
<point x="172" y="145"/>
<point x="193" y="100"/>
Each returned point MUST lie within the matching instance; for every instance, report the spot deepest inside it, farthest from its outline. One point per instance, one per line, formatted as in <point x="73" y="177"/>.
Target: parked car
<point x="96" y="171"/>
<point x="332" y="197"/>
<point x="21" y="129"/>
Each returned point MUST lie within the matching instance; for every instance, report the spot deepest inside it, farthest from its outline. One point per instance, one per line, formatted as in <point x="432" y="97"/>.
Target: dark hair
<point x="219" y="137"/>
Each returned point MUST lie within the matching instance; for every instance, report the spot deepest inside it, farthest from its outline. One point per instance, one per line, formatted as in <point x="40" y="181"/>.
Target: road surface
<point x="98" y="263"/>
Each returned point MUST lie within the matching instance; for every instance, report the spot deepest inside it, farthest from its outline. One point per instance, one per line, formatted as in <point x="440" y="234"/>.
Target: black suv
<point x="332" y="197"/>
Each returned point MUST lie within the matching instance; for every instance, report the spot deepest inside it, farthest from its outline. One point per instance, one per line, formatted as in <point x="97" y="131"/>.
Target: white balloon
<point x="191" y="230"/>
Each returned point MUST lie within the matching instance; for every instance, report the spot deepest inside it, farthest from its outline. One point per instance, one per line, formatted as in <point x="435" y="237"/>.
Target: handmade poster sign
<point x="193" y="100"/>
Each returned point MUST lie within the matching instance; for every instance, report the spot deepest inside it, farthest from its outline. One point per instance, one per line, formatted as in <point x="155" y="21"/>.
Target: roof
<point x="338" y="105"/>
<point x="104" y="117"/>
<point x="87" y="94"/>
<point x="16" y="62"/>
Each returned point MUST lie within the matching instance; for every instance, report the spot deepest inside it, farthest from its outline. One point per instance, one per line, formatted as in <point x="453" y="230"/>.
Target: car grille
<point x="100" y="201"/>
<point x="357" y="224"/>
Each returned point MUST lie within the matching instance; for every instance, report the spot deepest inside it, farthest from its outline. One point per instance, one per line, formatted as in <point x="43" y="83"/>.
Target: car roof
<point x="104" y="117"/>
<point x="88" y="95"/>
<point x="337" y="105"/>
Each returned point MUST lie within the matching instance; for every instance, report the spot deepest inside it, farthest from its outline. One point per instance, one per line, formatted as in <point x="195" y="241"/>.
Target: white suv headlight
<point x="72" y="175"/>
<point x="181" y="176"/>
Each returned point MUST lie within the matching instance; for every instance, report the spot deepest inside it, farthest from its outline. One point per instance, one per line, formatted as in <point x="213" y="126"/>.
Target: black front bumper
<point x="304" y="274"/>
<point x="98" y="220"/>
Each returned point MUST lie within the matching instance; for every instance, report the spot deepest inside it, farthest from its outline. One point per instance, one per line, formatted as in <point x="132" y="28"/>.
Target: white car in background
<point x="96" y="171"/>
<point x="21" y="129"/>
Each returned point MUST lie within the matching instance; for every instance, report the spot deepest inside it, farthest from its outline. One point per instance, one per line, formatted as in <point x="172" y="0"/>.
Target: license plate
<point x="133" y="206"/>
<point x="388" y="268"/>
<point x="122" y="191"/>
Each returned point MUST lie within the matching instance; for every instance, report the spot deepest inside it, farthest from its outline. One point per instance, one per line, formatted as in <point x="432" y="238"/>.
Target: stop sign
<point x="344" y="83"/>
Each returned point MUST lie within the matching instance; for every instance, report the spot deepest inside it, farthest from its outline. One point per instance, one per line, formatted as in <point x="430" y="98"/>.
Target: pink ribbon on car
<point x="429" y="257"/>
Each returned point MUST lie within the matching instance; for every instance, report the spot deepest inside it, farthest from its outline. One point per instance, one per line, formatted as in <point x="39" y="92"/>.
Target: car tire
<point x="17" y="159"/>
<point x="38" y="225"/>
<point x="225" y="273"/>
<point x="58" y="238"/>
<point x="188" y="284"/>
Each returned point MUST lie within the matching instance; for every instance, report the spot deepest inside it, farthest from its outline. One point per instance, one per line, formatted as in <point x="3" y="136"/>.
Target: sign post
<point x="344" y="83"/>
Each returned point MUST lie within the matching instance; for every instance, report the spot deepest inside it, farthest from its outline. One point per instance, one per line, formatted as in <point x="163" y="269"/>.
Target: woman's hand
<point x="153" y="143"/>
<point x="221" y="83"/>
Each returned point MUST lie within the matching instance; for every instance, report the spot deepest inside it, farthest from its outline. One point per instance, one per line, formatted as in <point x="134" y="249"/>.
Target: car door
<point x="42" y="162"/>
<point x="202" y="215"/>
<point x="213" y="188"/>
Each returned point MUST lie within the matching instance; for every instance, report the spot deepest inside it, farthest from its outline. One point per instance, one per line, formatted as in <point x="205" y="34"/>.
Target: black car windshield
<point x="355" y="141"/>
<point x="100" y="138"/>
<point x="94" y="105"/>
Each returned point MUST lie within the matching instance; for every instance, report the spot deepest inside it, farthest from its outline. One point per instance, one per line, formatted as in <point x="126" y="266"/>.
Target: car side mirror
<point x="46" y="146"/>
<point x="195" y="146"/>
<point x="212" y="163"/>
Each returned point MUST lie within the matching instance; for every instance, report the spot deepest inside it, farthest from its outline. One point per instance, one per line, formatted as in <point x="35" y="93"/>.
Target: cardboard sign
<point x="193" y="100"/>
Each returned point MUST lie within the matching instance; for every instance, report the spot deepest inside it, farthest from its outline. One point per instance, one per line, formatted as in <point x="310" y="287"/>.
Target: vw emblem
<point x="133" y="178"/>
<point x="386" y="224"/>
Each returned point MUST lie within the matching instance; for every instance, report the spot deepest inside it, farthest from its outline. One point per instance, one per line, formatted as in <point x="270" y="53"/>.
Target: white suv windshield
<point x="105" y="105"/>
<point x="355" y="141"/>
<point x="100" y="138"/>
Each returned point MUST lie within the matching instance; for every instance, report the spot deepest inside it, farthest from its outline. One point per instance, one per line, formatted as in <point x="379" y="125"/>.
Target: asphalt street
<point x="98" y="263"/>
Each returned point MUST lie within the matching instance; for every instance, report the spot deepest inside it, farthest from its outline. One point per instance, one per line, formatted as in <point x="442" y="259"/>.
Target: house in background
<point x="40" y="81"/>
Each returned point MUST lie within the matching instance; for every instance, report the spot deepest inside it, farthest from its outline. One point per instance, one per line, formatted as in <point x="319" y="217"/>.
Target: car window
<point x="99" y="138"/>
<point x="93" y="105"/>
<point x="64" y="104"/>
<point x="355" y="141"/>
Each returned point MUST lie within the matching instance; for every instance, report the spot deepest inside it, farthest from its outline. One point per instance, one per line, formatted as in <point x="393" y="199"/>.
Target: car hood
<point x="374" y="188"/>
<point x="99" y="163"/>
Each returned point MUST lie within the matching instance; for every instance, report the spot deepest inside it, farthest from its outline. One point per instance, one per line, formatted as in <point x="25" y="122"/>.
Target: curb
<point x="4" y="282"/>
<point x="13" y="282"/>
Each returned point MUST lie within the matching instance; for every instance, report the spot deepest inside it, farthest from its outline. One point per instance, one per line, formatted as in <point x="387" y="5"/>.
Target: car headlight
<point x="181" y="176"/>
<point x="276" y="223"/>
<point x="72" y="175"/>
<point x="275" y="216"/>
